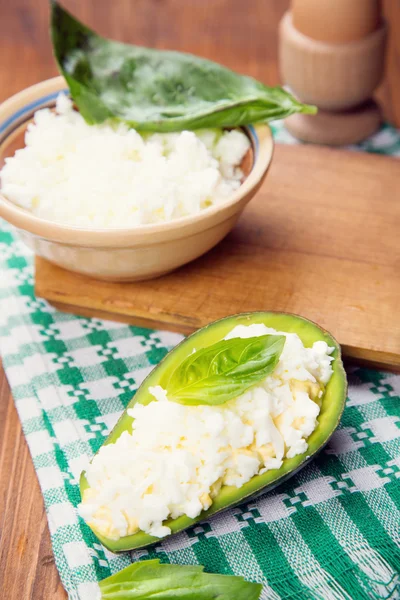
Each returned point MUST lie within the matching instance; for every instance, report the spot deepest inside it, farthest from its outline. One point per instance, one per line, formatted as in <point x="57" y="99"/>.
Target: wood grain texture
<point x="319" y="239"/>
<point x="389" y="92"/>
<point x="240" y="35"/>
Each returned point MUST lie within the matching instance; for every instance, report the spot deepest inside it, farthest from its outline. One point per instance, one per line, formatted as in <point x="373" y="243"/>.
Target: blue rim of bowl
<point x="27" y="111"/>
<point x="12" y="122"/>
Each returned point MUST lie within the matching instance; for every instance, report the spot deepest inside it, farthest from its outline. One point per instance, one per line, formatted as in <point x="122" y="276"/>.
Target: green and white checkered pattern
<point x="331" y="532"/>
<point x="386" y="141"/>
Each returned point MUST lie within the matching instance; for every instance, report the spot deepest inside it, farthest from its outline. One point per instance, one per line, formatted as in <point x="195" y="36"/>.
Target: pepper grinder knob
<point x="331" y="54"/>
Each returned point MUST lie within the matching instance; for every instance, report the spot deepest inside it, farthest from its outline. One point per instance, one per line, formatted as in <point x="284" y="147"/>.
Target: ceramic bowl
<point x="136" y="253"/>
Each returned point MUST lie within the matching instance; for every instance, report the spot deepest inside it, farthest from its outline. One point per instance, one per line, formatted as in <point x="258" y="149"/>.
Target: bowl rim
<point x="43" y="94"/>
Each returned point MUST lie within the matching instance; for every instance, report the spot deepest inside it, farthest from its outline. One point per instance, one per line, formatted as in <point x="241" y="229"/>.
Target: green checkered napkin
<point x="331" y="532"/>
<point x="386" y="141"/>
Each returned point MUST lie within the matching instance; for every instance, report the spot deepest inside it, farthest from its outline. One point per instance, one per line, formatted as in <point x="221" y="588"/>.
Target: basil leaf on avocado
<point x="150" y="579"/>
<point x="158" y="90"/>
<point x="222" y="371"/>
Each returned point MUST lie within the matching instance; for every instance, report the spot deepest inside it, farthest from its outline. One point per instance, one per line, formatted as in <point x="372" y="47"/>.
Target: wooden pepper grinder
<point x="332" y="55"/>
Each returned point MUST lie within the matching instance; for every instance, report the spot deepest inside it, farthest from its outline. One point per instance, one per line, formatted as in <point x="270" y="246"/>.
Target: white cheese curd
<point x="177" y="457"/>
<point x="110" y="176"/>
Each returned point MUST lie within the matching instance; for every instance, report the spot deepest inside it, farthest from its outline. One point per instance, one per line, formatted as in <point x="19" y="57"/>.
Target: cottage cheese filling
<point x="177" y="457"/>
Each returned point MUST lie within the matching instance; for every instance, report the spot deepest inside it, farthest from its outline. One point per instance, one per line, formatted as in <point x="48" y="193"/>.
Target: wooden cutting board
<point x="321" y="239"/>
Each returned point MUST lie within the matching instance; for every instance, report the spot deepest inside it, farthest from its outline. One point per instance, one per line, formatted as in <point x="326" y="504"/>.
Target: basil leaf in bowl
<point x="158" y="90"/>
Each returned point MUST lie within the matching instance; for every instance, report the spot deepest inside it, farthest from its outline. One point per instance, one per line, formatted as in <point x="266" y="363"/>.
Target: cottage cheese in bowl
<point x="110" y="176"/>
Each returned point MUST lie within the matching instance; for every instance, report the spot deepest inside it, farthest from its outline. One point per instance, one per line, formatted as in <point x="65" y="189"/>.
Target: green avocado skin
<point x="332" y="407"/>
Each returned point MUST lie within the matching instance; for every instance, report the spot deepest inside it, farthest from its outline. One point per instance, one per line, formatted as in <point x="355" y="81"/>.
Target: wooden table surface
<point x="241" y="35"/>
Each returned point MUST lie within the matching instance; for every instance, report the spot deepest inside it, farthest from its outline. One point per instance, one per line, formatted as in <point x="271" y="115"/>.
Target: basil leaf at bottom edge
<point x="150" y="579"/>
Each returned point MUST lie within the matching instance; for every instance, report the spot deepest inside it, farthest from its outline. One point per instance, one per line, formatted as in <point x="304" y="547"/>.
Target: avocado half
<point x="332" y="406"/>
